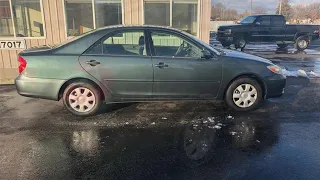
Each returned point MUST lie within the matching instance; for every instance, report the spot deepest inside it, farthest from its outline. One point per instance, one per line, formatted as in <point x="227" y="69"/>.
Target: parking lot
<point x="39" y="139"/>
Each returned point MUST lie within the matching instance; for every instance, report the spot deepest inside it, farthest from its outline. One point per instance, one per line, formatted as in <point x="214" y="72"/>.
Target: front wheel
<point x="244" y="94"/>
<point x="302" y="43"/>
<point x="82" y="98"/>
<point x="240" y="43"/>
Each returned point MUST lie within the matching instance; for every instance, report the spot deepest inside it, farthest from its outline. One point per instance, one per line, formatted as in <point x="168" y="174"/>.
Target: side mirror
<point x="258" y="24"/>
<point x="206" y="54"/>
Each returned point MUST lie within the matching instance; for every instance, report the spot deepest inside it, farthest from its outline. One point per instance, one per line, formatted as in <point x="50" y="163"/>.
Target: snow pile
<point x="301" y="73"/>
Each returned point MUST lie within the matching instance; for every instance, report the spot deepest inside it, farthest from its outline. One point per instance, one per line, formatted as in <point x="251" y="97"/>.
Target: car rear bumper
<point x="38" y="88"/>
<point x="275" y="86"/>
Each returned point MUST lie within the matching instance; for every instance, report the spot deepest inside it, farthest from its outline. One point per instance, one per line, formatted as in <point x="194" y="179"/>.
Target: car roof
<point x="138" y="26"/>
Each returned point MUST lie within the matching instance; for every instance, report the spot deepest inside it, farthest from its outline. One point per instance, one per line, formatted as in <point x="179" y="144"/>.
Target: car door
<point x="260" y="30"/>
<point x="179" y="70"/>
<point x="121" y="61"/>
<point x="277" y="28"/>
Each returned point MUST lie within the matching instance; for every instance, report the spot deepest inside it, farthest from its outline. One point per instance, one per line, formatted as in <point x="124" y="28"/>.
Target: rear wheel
<point x="282" y="46"/>
<point x="82" y="98"/>
<point x="244" y="94"/>
<point x="302" y="43"/>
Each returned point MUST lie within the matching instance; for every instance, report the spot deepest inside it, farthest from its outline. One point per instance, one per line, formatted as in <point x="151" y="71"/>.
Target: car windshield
<point x="248" y="20"/>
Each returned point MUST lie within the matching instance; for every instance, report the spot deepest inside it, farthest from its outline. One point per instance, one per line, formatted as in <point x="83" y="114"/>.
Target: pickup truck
<point x="267" y="28"/>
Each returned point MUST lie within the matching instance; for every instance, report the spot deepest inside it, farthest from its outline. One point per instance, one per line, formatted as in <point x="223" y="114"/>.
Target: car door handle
<point x="92" y="62"/>
<point x="161" y="65"/>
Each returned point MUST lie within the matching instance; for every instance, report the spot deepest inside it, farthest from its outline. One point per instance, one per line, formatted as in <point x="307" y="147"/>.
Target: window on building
<point x="185" y="15"/>
<point x="6" y="26"/>
<point x="79" y="16"/>
<point x="180" y="14"/>
<point x="108" y="12"/>
<point x="157" y="12"/>
<point x="27" y="19"/>
<point x="170" y="45"/>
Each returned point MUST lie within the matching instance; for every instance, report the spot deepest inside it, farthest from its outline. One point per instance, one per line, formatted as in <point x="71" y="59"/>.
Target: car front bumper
<point x="39" y="88"/>
<point x="275" y="86"/>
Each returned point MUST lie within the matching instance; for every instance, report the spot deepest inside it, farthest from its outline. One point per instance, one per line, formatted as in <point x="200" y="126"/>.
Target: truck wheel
<point x="244" y="94"/>
<point x="282" y="46"/>
<point x="302" y="43"/>
<point x="240" y="43"/>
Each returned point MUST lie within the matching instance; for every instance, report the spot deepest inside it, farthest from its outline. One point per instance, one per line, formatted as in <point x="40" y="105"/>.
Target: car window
<point x="277" y="21"/>
<point x="122" y="43"/>
<point x="264" y="20"/>
<point x="169" y="45"/>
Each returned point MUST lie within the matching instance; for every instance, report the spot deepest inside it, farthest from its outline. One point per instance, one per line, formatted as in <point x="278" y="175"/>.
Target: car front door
<point x="121" y="61"/>
<point x="179" y="70"/>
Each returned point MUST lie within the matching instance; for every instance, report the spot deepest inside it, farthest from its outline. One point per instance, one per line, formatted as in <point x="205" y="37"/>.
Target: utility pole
<point x="280" y="7"/>
<point x="250" y="7"/>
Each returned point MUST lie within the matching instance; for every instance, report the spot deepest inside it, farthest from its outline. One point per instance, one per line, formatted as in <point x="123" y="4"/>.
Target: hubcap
<point x="242" y="43"/>
<point x="302" y="43"/>
<point x="245" y="95"/>
<point x="82" y="99"/>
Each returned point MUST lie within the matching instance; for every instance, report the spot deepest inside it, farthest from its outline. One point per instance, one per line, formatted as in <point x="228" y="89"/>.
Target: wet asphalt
<point x="39" y="139"/>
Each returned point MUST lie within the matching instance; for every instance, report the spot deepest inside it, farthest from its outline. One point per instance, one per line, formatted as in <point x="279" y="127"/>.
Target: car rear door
<point x="121" y="61"/>
<point x="179" y="71"/>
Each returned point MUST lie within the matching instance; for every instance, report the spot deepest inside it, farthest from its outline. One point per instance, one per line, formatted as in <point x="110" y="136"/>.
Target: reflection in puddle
<point x="86" y="142"/>
<point x="130" y="151"/>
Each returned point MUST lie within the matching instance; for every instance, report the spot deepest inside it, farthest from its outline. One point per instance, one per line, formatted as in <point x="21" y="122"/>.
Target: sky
<point x="269" y="5"/>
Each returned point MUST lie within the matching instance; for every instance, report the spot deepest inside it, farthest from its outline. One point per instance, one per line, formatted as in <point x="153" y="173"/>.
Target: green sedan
<point x="121" y="64"/>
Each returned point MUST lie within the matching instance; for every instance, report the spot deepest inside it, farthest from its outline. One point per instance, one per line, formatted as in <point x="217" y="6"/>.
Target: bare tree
<point x="259" y="10"/>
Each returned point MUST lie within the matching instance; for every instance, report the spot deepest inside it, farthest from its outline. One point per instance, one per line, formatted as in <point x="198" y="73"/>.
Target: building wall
<point x="55" y="30"/>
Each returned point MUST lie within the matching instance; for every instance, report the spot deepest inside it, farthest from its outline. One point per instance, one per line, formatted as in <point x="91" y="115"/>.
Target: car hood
<point x="245" y="56"/>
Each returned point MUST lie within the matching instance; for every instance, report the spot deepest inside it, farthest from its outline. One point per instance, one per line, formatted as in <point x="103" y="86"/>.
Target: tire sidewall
<point x="89" y="86"/>
<point x="234" y="85"/>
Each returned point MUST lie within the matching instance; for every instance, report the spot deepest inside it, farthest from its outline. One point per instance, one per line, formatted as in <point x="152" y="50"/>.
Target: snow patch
<point x="301" y="73"/>
<point x="211" y="119"/>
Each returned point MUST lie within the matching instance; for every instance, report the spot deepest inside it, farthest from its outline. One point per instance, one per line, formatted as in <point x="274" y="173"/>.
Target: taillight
<point x="22" y="65"/>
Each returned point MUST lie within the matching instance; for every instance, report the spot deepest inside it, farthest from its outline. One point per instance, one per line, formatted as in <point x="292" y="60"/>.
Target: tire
<point x="240" y="43"/>
<point x="302" y="43"/>
<point x="282" y="46"/>
<point x="244" y="96"/>
<point x="91" y="97"/>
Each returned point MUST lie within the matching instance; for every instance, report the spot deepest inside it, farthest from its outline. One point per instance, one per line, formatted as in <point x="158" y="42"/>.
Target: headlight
<point x="227" y="31"/>
<point x="276" y="69"/>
